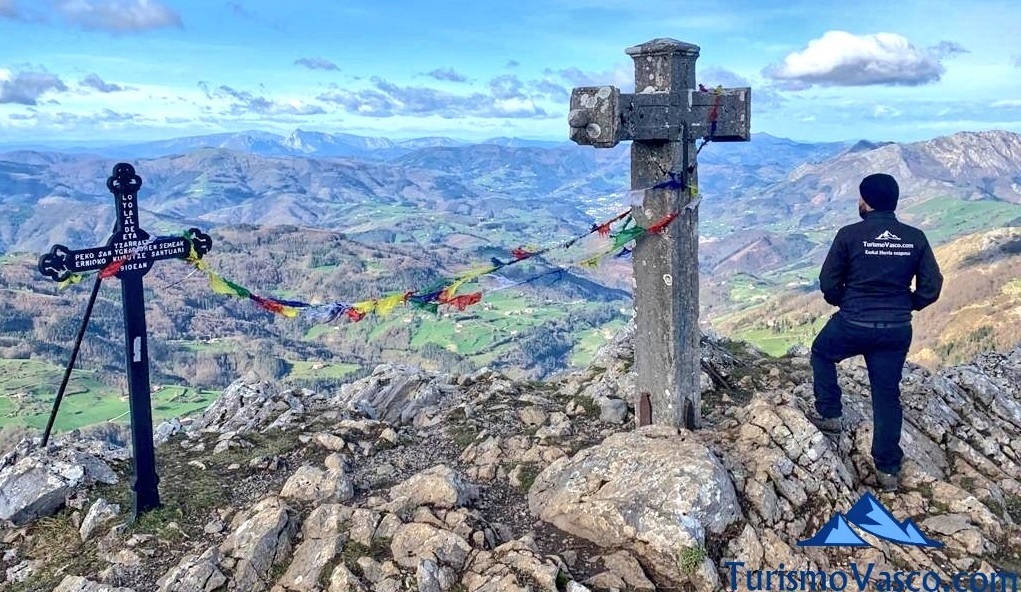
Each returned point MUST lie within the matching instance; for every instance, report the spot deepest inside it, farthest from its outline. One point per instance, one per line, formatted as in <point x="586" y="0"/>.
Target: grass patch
<point x="777" y="343"/>
<point x="691" y="559"/>
<point x="527" y="474"/>
<point x="589" y="405"/>
<point x="57" y="543"/>
<point x="943" y="218"/>
<point x="586" y="347"/>
<point x="378" y="549"/>
<point x="29" y="387"/>
<point x="462" y="435"/>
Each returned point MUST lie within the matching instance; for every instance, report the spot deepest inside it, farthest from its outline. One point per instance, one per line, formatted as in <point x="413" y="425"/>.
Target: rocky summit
<point x="410" y="480"/>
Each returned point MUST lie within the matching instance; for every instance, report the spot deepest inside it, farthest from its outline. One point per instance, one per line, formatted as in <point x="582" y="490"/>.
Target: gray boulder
<point x="654" y="491"/>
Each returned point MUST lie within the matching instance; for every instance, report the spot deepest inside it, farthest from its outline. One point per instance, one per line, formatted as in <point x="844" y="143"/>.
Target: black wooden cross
<point x="130" y="253"/>
<point x="664" y="117"/>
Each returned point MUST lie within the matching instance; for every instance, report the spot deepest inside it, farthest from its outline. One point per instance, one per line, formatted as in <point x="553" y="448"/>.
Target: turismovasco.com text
<point x="867" y="577"/>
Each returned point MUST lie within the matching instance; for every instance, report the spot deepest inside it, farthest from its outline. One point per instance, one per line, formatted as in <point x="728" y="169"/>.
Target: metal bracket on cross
<point x="602" y="116"/>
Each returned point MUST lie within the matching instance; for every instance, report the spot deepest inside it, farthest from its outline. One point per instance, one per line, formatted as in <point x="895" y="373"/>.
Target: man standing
<point x="867" y="274"/>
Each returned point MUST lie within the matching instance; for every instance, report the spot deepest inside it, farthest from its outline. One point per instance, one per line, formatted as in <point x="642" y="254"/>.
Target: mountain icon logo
<point x="871" y="516"/>
<point x="887" y="235"/>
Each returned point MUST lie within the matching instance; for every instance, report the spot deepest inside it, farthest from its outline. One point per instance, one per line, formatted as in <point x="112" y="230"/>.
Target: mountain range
<point x="769" y="208"/>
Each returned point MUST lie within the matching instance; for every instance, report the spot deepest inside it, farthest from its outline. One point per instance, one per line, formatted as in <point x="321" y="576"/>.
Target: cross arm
<point x="729" y="108"/>
<point x="60" y="263"/>
<point x="603" y="116"/>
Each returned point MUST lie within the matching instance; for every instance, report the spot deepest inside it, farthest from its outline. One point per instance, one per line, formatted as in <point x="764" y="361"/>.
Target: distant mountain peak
<point x="866" y="145"/>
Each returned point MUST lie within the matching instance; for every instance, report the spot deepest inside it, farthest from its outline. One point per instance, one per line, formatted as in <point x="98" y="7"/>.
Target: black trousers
<point x="885" y="350"/>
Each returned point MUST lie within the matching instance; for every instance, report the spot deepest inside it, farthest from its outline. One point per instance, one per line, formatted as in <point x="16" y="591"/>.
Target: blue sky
<point x="113" y="70"/>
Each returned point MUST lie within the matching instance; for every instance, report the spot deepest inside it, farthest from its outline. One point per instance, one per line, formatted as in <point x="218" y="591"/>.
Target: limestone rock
<point x="317" y="485"/>
<point x="415" y="541"/>
<point x="22" y="571"/>
<point x="532" y="416"/>
<point x="100" y="512"/>
<point x="80" y="584"/>
<point x="612" y="410"/>
<point x="322" y="541"/>
<point x="438" y="486"/>
<point x="623" y="564"/>
<point x="514" y="565"/>
<point x="261" y="538"/>
<point x="245" y="407"/>
<point x="162" y="433"/>
<point x="395" y="393"/>
<point x="343" y="580"/>
<point x="652" y="490"/>
<point x="38" y="483"/>
<point x="200" y="573"/>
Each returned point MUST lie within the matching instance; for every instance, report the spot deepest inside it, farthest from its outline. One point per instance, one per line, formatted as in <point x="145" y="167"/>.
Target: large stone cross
<point x="129" y="254"/>
<point x="664" y="118"/>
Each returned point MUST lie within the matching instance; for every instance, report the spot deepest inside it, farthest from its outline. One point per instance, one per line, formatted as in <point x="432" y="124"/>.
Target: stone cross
<point x="135" y="252"/>
<point x="664" y="118"/>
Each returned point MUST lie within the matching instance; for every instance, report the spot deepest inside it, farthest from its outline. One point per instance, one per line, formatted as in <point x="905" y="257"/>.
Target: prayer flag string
<point x="432" y="297"/>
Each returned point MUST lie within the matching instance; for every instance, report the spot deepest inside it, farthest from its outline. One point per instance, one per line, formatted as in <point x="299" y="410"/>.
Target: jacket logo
<point x="887" y="235"/>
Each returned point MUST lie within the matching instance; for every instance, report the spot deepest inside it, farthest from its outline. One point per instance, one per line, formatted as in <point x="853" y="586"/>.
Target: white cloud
<point x="885" y="112"/>
<point x="26" y="87"/>
<point x="119" y="16"/>
<point x="316" y="64"/>
<point x="7" y="9"/>
<point x="840" y="58"/>
<point x="1006" y="104"/>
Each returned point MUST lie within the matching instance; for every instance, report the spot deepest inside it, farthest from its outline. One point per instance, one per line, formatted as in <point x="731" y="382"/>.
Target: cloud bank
<point x="448" y="75"/>
<point x="839" y="58"/>
<point x="118" y="16"/>
<point x="316" y="64"/>
<point x="96" y="83"/>
<point x="506" y="99"/>
<point x="26" y="88"/>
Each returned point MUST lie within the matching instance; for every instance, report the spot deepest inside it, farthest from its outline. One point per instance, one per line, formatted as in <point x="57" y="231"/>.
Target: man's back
<point x="868" y="274"/>
<point x="870" y="267"/>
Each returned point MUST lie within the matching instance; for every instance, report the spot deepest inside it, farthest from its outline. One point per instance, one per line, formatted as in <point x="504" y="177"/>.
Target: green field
<point x="777" y="343"/>
<point x="943" y="218"/>
<point x="591" y="341"/>
<point x="29" y="388"/>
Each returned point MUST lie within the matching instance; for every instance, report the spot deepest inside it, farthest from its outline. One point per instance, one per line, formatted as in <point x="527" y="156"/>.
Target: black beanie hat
<point x="880" y="191"/>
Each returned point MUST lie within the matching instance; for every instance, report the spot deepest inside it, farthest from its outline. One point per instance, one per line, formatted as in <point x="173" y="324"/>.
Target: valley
<point x="322" y="218"/>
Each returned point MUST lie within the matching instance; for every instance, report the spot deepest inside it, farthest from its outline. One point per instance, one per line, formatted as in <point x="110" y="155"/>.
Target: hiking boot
<point x="888" y="482"/>
<point x="831" y="426"/>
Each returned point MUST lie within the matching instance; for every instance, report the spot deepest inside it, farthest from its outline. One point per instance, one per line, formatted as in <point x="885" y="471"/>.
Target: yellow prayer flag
<point x="365" y="306"/>
<point x="219" y="286"/>
<point x="74" y="278"/>
<point x="385" y="306"/>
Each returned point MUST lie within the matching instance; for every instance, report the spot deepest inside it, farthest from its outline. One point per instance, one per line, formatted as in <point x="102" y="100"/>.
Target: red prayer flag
<point x="112" y="269"/>
<point x="661" y="224"/>
<point x="520" y="253"/>
<point x="464" y="300"/>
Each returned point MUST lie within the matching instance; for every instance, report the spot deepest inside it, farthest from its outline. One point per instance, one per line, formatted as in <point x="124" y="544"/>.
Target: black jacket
<point x="869" y="269"/>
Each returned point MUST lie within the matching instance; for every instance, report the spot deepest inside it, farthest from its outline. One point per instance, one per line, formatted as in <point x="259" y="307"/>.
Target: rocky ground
<point x="407" y="480"/>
